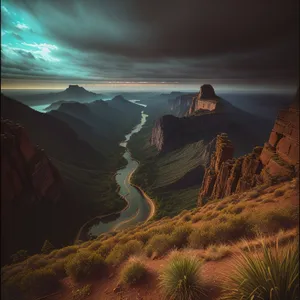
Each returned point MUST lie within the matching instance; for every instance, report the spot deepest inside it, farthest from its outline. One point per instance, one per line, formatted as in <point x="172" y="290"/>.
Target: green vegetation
<point x="122" y="251"/>
<point x="216" y="252"/>
<point x="47" y="247"/>
<point x="235" y="228"/>
<point x="40" y="282"/>
<point x="19" y="256"/>
<point x="180" y="279"/>
<point x="179" y="237"/>
<point x="83" y="265"/>
<point x="212" y="229"/>
<point x="133" y="272"/>
<point x="273" y="276"/>
<point x="158" y="245"/>
<point x="32" y="283"/>
<point x="82" y="293"/>
<point x="165" y="177"/>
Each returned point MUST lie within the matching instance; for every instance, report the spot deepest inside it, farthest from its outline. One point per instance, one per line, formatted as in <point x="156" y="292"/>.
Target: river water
<point x="138" y="208"/>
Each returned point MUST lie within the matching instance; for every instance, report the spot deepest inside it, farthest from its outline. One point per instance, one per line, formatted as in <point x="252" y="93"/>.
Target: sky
<point x="140" y="43"/>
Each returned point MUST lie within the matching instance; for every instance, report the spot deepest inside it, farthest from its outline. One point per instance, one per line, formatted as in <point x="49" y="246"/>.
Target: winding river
<point x="139" y="206"/>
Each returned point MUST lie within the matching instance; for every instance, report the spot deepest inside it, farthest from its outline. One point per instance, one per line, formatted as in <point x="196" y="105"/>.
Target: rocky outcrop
<point x="181" y="104"/>
<point x="205" y="100"/>
<point x="25" y="167"/>
<point x="245" y="130"/>
<point x="279" y="158"/>
<point x="28" y="180"/>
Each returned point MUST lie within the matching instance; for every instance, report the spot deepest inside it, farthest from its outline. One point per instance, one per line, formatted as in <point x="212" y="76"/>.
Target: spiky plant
<point x="180" y="279"/>
<point x="265" y="274"/>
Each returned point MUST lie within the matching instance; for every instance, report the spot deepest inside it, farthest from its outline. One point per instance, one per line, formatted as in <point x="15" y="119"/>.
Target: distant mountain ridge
<point x="72" y="93"/>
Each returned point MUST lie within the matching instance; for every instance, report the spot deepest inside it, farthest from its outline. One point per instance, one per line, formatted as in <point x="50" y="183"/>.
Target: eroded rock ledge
<point x="279" y="158"/>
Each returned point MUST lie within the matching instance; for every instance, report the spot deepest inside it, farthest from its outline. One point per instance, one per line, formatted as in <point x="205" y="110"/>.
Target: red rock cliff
<point x="205" y="100"/>
<point x="28" y="181"/>
<point x="279" y="158"/>
<point x="25" y="166"/>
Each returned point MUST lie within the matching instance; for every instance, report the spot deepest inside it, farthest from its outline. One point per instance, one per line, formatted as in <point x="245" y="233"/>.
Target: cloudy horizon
<point x="162" y="44"/>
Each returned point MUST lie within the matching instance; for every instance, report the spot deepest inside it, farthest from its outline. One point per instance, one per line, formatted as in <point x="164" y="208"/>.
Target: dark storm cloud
<point x="25" y="54"/>
<point x="169" y="39"/>
<point x="17" y="36"/>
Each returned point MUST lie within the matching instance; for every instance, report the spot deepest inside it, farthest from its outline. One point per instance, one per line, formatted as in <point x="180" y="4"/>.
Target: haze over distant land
<point x="129" y="45"/>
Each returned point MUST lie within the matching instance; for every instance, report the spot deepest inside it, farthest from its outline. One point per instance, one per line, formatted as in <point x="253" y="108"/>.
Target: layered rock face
<point x="206" y="100"/>
<point x="181" y="104"/>
<point x="28" y="181"/>
<point x="279" y="158"/>
<point x="245" y="130"/>
<point x="25" y="167"/>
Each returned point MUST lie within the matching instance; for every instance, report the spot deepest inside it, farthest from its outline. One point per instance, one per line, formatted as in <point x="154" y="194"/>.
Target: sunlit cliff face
<point x="123" y="44"/>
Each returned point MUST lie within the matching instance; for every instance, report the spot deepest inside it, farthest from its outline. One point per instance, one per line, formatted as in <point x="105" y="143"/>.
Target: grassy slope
<point x="173" y="179"/>
<point x="263" y="210"/>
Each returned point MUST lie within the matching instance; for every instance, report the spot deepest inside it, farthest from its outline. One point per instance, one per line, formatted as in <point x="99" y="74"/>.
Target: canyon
<point x="278" y="159"/>
<point x="209" y="115"/>
<point x="60" y="163"/>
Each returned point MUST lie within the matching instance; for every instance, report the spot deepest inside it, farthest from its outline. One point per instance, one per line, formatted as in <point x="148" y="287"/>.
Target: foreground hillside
<point x="214" y="234"/>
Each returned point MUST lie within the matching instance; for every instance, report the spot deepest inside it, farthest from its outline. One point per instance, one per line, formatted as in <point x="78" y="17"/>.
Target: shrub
<point x="237" y="209"/>
<point x="273" y="276"/>
<point x="209" y="216"/>
<point x="167" y="229"/>
<point x="216" y="252"/>
<point x="253" y="195"/>
<point x="180" y="279"/>
<point x="39" y="282"/>
<point x="261" y="188"/>
<point x="279" y="193"/>
<point x="82" y="292"/>
<point x="273" y="221"/>
<point x="122" y="251"/>
<point x="36" y="261"/>
<point x="235" y="228"/>
<point x="11" y="287"/>
<point x="59" y="268"/>
<point x="19" y="256"/>
<point x="199" y="238"/>
<point x="196" y="218"/>
<point x="221" y="206"/>
<point x="186" y="218"/>
<point x="142" y="236"/>
<point x="179" y="237"/>
<point x="133" y="271"/>
<point x="159" y="245"/>
<point x="61" y="253"/>
<point x="47" y="247"/>
<point x="83" y="265"/>
<point x="104" y="249"/>
<point x="94" y="246"/>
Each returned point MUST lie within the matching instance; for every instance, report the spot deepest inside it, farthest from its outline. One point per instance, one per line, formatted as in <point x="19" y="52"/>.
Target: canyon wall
<point x="278" y="159"/>
<point x="29" y="181"/>
<point x="25" y="167"/>
<point x="181" y="104"/>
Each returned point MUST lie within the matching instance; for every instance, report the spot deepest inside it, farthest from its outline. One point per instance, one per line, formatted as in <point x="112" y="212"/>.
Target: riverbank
<point x="149" y="200"/>
<point x="140" y="207"/>
<point x="79" y="236"/>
